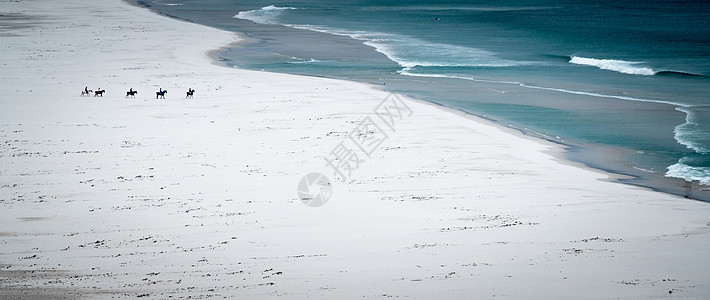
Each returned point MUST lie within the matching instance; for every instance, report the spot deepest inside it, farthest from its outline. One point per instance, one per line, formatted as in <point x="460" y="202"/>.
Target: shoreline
<point x="118" y="197"/>
<point x="589" y="157"/>
<point x="578" y="154"/>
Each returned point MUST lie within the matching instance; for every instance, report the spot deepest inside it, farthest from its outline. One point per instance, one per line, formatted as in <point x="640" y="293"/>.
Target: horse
<point x="131" y="93"/>
<point x="86" y="92"/>
<point x="99" y="93"/>
<point x="189" y="93"/>
<point x="161" y="94"/>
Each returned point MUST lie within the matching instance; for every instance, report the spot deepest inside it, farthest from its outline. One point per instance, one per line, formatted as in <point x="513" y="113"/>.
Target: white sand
<point x="120" y="197"/>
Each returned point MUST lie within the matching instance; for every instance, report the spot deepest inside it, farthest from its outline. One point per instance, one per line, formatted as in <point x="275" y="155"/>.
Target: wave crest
<point x="694" y="133"/>
<point x="621" y="66"/>
<point x="265" y="15"/>
<point x="689" y="173"/>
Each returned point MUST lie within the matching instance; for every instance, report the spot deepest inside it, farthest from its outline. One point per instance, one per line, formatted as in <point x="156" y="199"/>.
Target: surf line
<point x="406" y="72"/>
<point x="675" y="104"/>
<point x="684" y="108"/>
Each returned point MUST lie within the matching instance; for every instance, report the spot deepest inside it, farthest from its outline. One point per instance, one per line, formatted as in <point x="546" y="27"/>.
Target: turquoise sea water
<point x="633" y="76"/>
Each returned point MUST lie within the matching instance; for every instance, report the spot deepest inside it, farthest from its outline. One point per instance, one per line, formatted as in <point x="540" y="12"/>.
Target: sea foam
<point x="693" y="134"/>
<point x="411" y="52"/>
<point x="626" y="67"/>
<point x="407" y="51"/>
<point x="689" y="173"/>
<point x="265" y="15"/>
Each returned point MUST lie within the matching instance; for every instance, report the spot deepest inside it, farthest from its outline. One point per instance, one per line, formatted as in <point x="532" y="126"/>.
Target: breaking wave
<point x="621" y="66"/>
<point x="265" y="15"/>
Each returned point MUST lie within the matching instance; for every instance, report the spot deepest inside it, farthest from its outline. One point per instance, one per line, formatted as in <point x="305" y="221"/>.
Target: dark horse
<point x="161" y="93"/>
<point x="131" y="93"/>
<point x="189" y="93"/>
<point x="99" y="93"/>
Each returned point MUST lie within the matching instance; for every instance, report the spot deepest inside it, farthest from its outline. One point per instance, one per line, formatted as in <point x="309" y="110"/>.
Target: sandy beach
<point x="119" y="197"/>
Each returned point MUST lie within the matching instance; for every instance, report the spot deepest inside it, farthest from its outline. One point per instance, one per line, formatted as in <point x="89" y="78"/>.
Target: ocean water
<point x="631" y="76"/>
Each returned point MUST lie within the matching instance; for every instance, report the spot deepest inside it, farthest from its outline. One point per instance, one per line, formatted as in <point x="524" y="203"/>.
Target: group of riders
<point x="159" y="94"/>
